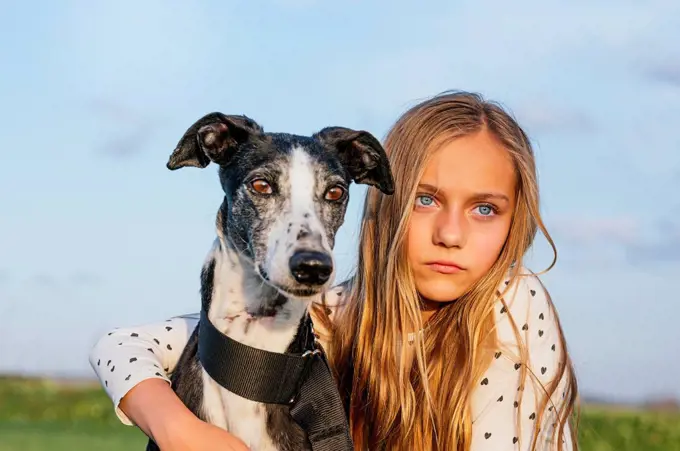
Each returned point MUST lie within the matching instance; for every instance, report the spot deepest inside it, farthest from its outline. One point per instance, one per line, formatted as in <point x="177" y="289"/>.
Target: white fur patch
<point x="242" y="417"/>
<point x="303" y="190"/>
<point x="302" y="186"/>
<point x="298" y="214"/>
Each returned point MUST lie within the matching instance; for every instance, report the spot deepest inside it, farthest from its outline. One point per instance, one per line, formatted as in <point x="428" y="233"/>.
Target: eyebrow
<point x="479" y="196"/>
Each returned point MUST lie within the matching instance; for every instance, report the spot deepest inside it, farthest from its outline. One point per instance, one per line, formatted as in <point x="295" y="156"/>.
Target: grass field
<point x="45" y="416"/>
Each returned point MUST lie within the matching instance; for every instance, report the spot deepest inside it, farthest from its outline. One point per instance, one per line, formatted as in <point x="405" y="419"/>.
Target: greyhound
<point x="285" y="197"/>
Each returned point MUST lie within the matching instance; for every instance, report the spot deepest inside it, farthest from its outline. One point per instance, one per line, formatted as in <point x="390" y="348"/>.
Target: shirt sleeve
<point x="124" y="357"/>
<point x="505" y="405"/>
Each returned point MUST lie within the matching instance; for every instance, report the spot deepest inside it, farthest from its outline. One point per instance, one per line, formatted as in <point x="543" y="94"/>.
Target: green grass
<point x="63" y="436"/>
<point x="629" y="430"/>
<point x="41" y="415"/>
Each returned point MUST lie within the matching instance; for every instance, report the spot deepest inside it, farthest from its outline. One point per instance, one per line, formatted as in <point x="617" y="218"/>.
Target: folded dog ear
<point x="214" y="138"/>
<point x="362" y="155"/>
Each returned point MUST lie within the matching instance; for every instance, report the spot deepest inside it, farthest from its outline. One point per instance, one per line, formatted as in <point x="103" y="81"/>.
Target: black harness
<point x="302" y="382"/>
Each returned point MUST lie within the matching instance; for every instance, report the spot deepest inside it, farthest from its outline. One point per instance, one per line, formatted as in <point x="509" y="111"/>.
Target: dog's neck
<point x="246" y="308"/>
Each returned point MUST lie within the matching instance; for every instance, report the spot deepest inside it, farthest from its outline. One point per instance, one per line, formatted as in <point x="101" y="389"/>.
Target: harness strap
<point x="319" y="410"/>
<point x="303" y="382"/>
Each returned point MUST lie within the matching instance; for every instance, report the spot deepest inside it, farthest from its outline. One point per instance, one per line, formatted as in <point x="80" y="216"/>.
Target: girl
<point x="442" y="339"/>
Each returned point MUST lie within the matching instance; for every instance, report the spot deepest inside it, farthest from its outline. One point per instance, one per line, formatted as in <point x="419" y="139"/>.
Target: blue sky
<point x="96" y="232"/>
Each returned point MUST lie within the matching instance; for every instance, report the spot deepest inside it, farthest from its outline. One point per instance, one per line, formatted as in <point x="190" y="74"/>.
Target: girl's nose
<point x="450" y="229"/>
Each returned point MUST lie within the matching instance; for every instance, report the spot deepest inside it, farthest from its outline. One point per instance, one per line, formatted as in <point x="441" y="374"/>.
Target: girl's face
<point x="461" y="219"/>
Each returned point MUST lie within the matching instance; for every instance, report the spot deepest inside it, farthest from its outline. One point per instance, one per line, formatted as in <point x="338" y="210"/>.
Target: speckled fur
<point x="246" y="285"/>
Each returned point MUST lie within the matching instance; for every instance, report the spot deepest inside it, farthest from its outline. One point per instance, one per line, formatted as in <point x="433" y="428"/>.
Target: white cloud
<point x="123" y="130"/>
<point x="117" y="48"/>
<point x="295" y="4"/>
<point x="667" y="72"/>
<point x="619" y="240"/>
<point x="511" y="53"/>
<point x="588" y="231"/>
<point x="662" y="245"/>
<point x="4" y="277"/>
<point x="539" y="116"/>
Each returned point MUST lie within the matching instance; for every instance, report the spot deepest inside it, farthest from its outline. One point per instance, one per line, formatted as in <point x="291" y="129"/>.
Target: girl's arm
<point x="505" y="406"/>
<point x="133" y="365"/>
<point x="127" y="356"/>
<point x="162" y="416"/>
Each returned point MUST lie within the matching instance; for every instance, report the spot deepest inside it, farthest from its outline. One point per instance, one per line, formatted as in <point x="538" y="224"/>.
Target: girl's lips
<point x="445" y="267"/>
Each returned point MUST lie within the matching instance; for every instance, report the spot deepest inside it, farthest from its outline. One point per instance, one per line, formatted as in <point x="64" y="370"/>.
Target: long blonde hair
<point x="393" y="403"/>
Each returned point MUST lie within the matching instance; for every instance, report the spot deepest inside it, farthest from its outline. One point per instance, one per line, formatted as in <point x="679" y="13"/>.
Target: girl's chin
<point x="440" y="289"/>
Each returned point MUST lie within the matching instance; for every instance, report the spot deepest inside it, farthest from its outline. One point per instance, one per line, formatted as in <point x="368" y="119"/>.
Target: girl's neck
<point x="428" y="308"/>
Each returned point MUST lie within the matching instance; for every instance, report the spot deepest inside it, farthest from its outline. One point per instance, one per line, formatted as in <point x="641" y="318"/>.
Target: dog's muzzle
<point x="311" y="267"/>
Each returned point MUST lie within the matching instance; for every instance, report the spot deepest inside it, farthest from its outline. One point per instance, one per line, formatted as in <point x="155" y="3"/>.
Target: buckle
<point x="311" y="353"/>
<point x="308" y="357"/>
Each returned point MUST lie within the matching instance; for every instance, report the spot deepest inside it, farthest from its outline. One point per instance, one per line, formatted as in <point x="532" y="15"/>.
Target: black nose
<point x="311" y="268"/>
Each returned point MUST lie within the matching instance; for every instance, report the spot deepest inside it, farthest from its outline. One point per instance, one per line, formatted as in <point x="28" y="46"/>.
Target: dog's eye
<point x="335" y="193"/>
<point x="261" y="186"/>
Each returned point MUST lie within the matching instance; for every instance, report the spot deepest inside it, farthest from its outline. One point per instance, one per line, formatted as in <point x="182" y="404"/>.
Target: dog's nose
<point x="311" y="267"/>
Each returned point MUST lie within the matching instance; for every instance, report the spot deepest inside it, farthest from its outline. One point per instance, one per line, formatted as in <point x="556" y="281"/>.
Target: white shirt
<point x="124" y="357"/>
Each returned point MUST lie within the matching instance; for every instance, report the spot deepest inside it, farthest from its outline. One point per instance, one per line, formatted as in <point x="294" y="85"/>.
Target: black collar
<point x="249" y="372"/>
<point x="302" y="381"/>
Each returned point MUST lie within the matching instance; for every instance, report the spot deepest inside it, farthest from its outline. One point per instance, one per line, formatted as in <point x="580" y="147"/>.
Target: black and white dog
<point x="285" y="197"/>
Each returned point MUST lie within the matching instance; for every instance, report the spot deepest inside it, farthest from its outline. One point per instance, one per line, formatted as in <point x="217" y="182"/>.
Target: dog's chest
<point x="247" y="419"/>
<point x="242" y="417"/>
<point x="262" y="427"/>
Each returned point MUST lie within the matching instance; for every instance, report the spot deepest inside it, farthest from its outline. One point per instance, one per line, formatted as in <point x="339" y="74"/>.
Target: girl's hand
<point x="155" y="408"/>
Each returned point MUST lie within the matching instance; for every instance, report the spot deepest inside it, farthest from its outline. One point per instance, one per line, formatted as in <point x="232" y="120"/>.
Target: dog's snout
<point x="311" y="267"/>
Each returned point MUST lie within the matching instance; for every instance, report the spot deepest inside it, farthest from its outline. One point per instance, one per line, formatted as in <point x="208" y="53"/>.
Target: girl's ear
<point x="362" y="155"/>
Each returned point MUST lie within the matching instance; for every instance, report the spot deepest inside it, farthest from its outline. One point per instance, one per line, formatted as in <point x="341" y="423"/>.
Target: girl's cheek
<point x="487" y="245"/>
<point x="418" y="234"/>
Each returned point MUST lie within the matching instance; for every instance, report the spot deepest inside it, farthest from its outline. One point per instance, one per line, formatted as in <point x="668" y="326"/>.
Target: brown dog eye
<point x="335" y="193"/>
<point x="261" y="186"/>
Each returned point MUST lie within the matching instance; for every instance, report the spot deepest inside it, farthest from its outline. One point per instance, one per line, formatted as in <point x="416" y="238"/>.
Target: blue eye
<point x="425" y="200"/>
<point x="486" y="210"/>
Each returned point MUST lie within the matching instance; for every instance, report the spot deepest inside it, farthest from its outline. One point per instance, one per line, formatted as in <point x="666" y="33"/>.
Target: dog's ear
<point x="362" y="155"/>
<point x="214" y="138"/>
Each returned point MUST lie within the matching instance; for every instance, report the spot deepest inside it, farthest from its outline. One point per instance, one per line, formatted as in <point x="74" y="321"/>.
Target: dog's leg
<point x="213" y="406"/>
<point x="187" y="380"/>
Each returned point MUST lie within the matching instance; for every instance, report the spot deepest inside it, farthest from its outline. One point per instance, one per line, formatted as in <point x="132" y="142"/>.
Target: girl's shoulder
<point x="334" y="297"/>
<point x="525" y="317"/>
<point x="526" y="300"/>
<point x="325" y="315"/>
<point x="527" y="358"/>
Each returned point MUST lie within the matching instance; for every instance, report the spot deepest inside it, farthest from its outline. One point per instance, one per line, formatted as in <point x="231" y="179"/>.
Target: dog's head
<point x="285" y="195"/>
